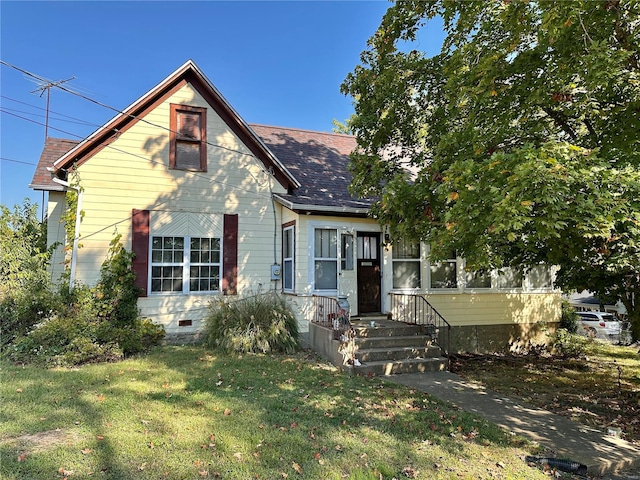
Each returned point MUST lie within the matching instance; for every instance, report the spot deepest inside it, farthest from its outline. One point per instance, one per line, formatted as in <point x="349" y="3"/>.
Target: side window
<point x="444" y="274"/>
<point x="288" y="244"/>
<point x="478" y="279"/>
<point x="406" y="264"/>
<point x="188" y="150"/>
<point x="540" y="277"/>
<point x="509" y="278"/>
<point x="346" y="252"/>
<point x="325" y="261"/>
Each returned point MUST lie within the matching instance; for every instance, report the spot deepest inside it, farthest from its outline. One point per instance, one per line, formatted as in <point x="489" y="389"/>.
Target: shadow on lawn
<point x="70" y="415"/>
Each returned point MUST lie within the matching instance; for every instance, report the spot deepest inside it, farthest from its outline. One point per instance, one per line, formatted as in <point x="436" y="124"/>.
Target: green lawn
<point x="184" y="412"/>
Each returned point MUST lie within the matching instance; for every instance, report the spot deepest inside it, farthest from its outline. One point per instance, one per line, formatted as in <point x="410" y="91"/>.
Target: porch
<point x="412" y="337"/>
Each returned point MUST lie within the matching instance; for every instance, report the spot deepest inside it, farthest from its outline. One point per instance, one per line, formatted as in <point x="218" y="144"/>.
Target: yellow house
<point x="212" y="205"/>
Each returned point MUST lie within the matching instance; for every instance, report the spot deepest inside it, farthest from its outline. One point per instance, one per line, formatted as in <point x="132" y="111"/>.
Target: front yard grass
<point x="186" y="413"/>
<point x="600" y="387"/>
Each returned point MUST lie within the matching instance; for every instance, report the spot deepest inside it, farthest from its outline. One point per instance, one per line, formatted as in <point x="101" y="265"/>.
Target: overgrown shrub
<point x="26" y="297"/>
<point x="569" y="319"/>
<point x="260" y="323"/>
<point x="567" y="344"/>
<point x="64" y="341"/>
<point x="87" y="324"/>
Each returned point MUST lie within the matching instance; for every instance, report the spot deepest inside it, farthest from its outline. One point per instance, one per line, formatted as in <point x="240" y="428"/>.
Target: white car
<point x="600" y="324"/>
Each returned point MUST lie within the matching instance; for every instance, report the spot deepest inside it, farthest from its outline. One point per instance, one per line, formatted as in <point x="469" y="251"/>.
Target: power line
<point x="148" y="159"/>
<point x="104" y="105"/>
<point x="44" y="116"/>
<point x="79" y="120"/>
<point x="16" y="161"/>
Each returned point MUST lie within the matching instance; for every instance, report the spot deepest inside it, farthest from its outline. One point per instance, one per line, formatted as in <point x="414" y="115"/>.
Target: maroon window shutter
<point x="230" y="255"/>
<point x="140" y="247"/>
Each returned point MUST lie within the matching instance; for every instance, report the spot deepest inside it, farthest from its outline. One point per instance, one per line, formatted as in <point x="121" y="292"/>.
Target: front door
<point x="369" y="275"/>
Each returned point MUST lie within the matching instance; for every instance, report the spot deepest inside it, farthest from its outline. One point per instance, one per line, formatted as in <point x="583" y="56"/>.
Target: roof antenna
<point x="48" y="85"/>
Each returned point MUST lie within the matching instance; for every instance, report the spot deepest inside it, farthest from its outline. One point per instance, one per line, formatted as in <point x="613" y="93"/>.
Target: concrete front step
<point x="416" y="341"/>
<point x="397" y="353"/>
<point x="389" y="347"/>
<point x="417" y="365"/>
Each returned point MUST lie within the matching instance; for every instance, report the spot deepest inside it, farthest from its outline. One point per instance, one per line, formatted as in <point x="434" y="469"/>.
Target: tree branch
<point x="561" y="121"/>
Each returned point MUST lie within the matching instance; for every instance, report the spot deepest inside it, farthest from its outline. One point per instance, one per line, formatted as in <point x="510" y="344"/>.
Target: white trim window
<point x="288" y="262"/>
<point x="476" y="279"/>
<point x="444" y="274"/>
<point x="346" y="252"/>
<point x="183" y="264"/>
<point x="325" y="259"/>
<point x="509" y="279"/>
<point x="406" y="264"/>
<point x="540" y="277"/>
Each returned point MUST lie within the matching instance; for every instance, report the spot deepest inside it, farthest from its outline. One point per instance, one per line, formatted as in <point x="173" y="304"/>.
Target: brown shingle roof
<point x="319" y="162"/>
<point x="54" y="148"/>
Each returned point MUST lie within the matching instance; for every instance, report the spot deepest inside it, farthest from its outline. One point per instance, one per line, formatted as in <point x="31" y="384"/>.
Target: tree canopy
<point x="518" y="144"/>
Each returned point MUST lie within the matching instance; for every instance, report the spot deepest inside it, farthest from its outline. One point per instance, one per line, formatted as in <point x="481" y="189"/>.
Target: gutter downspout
<point x="76" y="236"/>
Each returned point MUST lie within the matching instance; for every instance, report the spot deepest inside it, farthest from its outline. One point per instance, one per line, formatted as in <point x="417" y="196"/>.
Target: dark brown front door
<point x="369" y="277"/>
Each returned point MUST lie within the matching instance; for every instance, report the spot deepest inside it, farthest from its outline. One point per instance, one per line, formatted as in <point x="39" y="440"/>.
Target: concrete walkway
<point x="604" y="455"/>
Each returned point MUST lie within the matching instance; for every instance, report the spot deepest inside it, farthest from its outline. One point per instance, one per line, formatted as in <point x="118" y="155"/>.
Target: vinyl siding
<point x="133" y="173"/>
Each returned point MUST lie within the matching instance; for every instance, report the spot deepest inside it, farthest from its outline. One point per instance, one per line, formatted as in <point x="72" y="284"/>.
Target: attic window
<point x="188" y="138"/>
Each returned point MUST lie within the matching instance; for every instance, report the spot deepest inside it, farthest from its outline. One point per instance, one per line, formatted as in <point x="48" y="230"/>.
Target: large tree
<point x="518" y="144"/>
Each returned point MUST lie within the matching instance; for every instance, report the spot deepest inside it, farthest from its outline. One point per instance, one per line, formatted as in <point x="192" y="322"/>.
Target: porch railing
<point x="416" y="310"/>
<point x="328" y="313"/>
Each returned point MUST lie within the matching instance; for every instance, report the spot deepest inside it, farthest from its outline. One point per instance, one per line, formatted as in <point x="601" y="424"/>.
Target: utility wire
<point x="148" y="159"/>
<point x="104" y="105"/>
<point x="39" y="115"/>
<point x="85" y="122"/>
<point x="16" y="161"/>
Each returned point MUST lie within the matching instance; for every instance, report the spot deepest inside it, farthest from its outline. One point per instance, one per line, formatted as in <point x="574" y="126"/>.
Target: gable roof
<point x="187" y="73"/>
<point x="311" y="165"/>
<point x="319" y="160"/>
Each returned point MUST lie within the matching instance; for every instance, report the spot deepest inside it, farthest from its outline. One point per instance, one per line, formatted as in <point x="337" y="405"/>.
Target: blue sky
<point x="277" y="63"/>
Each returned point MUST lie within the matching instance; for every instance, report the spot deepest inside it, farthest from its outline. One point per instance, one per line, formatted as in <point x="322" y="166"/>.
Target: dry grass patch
<point x="600" y="387"/>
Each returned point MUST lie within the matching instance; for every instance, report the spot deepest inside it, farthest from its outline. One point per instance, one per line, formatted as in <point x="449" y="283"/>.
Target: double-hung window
<point x="406" y="264"/>
<point x="509" y="278"/>
<point x="188" y="138"/>
<point x="478" y="279"/>
<point x="444" y="274"/>
<point x="288" y="249"/>
<point x="325" y="259"/>
<point x="185" y="264"/>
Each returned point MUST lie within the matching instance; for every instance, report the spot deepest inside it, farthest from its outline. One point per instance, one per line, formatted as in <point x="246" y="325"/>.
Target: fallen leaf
<point x="99" y="437"/>
<point x="297" y="468"/>
<point x="227" y="412"/>
<point x="86" y="451"/>
<point x="22" y="457"/>
<point x="409" y="472"/>
<point x="500" y="464"/>
<point x="316" y="456"/>
<point x="203" y="473"/>
<point x="19" y="390"/>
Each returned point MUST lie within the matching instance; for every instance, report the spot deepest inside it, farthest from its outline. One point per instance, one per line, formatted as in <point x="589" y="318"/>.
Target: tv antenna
<point x="47" y="85"/>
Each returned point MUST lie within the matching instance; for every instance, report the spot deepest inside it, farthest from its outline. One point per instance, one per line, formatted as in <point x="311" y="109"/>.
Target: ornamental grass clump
<point x="261" y="323"/>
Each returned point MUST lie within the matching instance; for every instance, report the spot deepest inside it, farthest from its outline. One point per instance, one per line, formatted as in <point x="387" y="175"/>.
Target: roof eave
<point x="321" y="209"/>
<point x="47" y="188"/>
